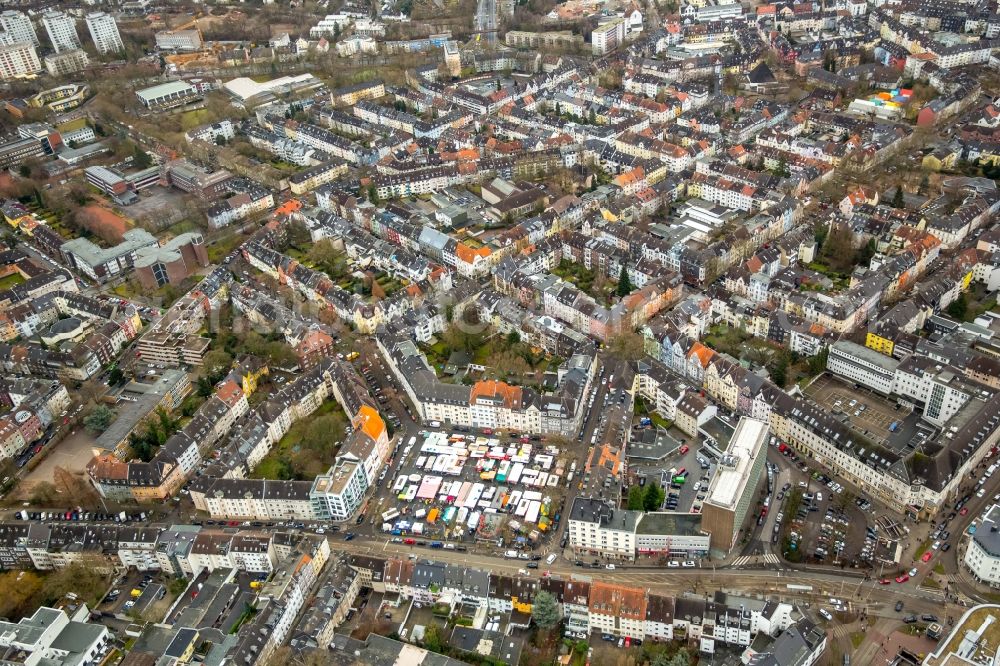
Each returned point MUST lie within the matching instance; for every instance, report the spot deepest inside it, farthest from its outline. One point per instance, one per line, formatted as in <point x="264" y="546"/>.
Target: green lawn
<point x="10" y="281"/>
<point x="269" y="468"/>
<point x="285" y="459"/>
<point x="223" y="246"/>
<point x="659" y="421"/>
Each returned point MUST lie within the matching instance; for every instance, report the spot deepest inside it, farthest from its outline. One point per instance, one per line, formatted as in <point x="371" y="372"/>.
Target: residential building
<point x="104" y="32"/>
<point x="50" y="635"/>
<point x="61" y="29"/>
<point x="66" y="62"/>
<point x="18" y="28"/>
<point x="982" y="556"/>
<point x="607" y="37"/>
<point x="18" y="60"/>
<point x="596" y="527"/>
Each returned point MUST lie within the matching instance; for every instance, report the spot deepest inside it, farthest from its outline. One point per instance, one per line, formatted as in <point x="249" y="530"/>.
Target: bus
<point x="390" y="515"/>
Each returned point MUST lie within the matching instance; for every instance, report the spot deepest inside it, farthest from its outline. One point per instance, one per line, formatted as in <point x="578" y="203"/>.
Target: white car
<point x="936" y="545"/>
<point x="610" y="567"/>
<point x="673" y="564"/>
<point x="913" y="572"/>
<point x="688" y="565"/>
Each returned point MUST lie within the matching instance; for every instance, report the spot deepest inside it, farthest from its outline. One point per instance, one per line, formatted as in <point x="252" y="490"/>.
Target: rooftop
<point x="734" y="468"/>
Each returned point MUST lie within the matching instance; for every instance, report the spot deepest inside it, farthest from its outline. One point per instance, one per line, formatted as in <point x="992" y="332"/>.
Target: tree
<point x="298" y="235"/>
<point x="624" y="283"/>
<point x="84" y="581"/>
<point x="21" y="592"/>
<point x="316" y="657"/>
<point x="779" y="369"/>
<point x="661" y="659"/>
<point x="817" y="363"/>
<point x="958" y="308"/>
<point x="897" y="197"/>
<point x="216" y="362"/>
<point x="44" y="493"/>
<point x="866" y="253"/>
<point x="115" y="376"/>
<point x="838" y="248"/>
<point x="627" y="346"/>
<point x="432" y="639"/>
<point x="545" y="611"/>
<point x="730" y="83"/>
<point x="635" y="498"/>
<point x="781" y="171"/>
<point x="98" y="420"/>
<point x="653" y="498"/>
<point x="282" y="656"/>
<point x="682" y="658"/>
<point x="141" y="159"/>
<point x="819" y="234"/>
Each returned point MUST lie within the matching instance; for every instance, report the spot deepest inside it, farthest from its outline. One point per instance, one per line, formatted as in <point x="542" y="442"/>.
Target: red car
<point x="684" y="449"/>
<point x="885" y="581"/>
<point x="927" y="556"/>
<point x="964" y="511"/>
<point x="903" y="578"/>
<point x="409" y="542"/>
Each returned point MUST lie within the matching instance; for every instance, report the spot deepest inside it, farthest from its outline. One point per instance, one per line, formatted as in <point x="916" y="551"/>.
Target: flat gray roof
<point x="869" y="355"/>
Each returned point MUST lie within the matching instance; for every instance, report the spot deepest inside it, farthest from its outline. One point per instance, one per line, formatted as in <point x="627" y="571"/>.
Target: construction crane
<point x="192" y="22"/>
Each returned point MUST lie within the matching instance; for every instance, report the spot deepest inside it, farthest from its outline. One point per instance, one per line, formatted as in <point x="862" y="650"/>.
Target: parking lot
<point x="869" y="413"/>
<point x="820" y="521"/>
<point x="688" y="496"/>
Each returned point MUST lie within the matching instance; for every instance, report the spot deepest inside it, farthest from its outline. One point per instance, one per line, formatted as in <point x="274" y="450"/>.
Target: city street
<point x="869" y="596"/>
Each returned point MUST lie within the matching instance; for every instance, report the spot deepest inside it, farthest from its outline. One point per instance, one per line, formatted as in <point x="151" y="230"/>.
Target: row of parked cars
<point x="72" y="515"/>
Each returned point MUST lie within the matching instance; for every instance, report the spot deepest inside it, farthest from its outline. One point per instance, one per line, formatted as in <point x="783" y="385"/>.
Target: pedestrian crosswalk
<point x="766" y="558"/>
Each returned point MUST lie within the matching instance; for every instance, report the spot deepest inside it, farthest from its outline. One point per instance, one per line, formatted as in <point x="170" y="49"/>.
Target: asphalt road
<point x="867" y="595"/>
